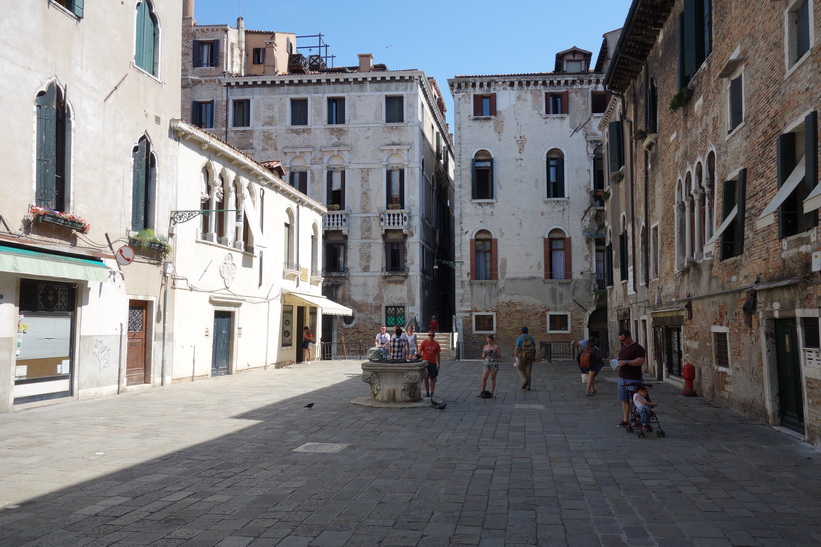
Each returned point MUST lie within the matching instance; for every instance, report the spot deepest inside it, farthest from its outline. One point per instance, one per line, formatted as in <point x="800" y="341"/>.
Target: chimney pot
<point x="365" y="62"/>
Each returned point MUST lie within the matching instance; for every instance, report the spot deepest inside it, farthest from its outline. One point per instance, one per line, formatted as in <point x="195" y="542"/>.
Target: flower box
<point x="51" y="216"/>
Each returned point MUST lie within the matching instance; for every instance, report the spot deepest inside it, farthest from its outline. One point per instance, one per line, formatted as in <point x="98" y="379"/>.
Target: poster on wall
<point x="287" y="326"/>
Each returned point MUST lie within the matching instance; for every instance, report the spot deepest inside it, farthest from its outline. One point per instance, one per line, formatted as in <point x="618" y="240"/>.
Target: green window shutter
<point x="138" y="185"/>
<point x="560" y="178"/>
<point x="47" y="148"/>
<point x="140" y="38"/>
<point x="78" y="8"/>
<point x="741" y="200"/>
<point x="615" y="147"/>
<point x="811" y="150"/>
<point x="215" y="53"/>
<point x="736" y="102"/>
<point x="402" y="188"/>
<point x="784" y="165"/>
<point x="473" y="178"/>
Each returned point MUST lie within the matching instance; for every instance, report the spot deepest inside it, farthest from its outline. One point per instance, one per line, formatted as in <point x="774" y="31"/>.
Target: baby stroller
<point x="635" y="419"/>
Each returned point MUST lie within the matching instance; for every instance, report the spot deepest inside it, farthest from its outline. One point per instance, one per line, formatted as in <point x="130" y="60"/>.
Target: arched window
<point x="483" y="257"/>
<point x="555" y="174"/>
<point x="205" y="203"/>
<point x="146" y="46"/>
<point x="681" y="232"/>
<point x="53" y="134"/>
<point x="710" y="197"/>
<point x="219" y="205"/>
<point x="482" y="175"/>
<point x="144" y="172"/>
<point x="558" y="263"/>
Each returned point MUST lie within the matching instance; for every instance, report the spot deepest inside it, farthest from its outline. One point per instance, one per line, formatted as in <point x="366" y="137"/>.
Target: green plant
<point x="681" y="98"/>
<point x="148" y="239"/>
<point x="333" y="207"/>
<point x="394" y="206"/>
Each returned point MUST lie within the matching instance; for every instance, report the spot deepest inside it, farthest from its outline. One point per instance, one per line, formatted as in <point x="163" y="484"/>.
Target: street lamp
<point x="451" y="263"/>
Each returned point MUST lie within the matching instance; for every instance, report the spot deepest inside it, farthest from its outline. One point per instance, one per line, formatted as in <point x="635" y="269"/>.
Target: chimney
<point x="188" y="9"/>
<point x="365" y="62"/>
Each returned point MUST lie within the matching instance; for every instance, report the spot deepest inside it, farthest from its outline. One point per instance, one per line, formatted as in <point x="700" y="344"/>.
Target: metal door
<point x="790" y="399"/>
<point x="135" y="359"/>
<point x="222" y="343"/>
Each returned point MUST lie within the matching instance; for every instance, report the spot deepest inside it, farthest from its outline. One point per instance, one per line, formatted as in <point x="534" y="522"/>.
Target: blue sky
<point x="442" y="38"/>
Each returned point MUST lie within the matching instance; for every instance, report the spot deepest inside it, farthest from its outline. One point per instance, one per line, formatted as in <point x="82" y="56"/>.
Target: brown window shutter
<point x="494" y="260"/>
<point x="477" y="105"/>
<point x="568" y="262"/>
<point x="565" y="102"/>
<point x="547" y="103"/>
<point x="492" y="104"/>
<point x="473" y="259"/>
<point x="547" y="270"/>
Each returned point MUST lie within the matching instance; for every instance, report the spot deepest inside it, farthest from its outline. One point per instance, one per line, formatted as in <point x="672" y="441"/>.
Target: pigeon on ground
<point x="309" y="405"/>
<point x="442" y="406"/>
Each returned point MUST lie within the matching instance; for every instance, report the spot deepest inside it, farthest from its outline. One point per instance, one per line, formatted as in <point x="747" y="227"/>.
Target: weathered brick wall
<point x="774" y="101"/>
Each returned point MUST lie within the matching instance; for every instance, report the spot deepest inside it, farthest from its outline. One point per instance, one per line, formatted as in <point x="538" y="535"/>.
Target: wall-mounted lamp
<point x="451" y="263"/>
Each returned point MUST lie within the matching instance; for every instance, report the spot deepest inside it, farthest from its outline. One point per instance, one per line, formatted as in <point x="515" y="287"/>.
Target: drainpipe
<point x="166" y="268"/>
<point x="120" y="365"/>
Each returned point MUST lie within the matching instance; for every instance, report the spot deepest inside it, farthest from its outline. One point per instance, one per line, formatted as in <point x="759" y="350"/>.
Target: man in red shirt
<point x="430" y="350"/>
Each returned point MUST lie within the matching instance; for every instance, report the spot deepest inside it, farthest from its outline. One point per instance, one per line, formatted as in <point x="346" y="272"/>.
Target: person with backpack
<point x="526" y="353"/>
<point x="591" y="360"/>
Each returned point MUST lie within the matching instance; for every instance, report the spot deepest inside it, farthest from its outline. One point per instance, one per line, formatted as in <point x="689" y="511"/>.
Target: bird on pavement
<point x="442" y="406"/>
<point x="309" y="405"/>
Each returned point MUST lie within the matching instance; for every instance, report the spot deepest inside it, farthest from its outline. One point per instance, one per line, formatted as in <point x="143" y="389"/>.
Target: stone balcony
<point x="395" y="219"/>
<point x="336" y="220"/>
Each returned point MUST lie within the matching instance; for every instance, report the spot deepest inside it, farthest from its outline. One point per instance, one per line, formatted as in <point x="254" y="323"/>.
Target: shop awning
<point x="28" y="262"/>
<point x="328" y="306"/>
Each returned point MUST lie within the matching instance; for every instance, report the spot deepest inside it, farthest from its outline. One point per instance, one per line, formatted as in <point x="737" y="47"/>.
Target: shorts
<point x="306" y="344"/>
<point x="433" y="371"/>
<point x="492" y="365"/>
<point x="623" y="388"/>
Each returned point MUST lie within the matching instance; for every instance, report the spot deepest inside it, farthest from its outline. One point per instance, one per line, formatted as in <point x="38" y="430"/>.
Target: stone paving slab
<point x="223" y="462"/>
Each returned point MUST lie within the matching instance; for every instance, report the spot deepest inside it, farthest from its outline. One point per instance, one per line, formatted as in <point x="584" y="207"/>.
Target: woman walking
<point x="491" y="353"/>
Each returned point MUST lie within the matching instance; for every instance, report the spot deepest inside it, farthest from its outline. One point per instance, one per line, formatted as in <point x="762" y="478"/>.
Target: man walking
<point x="631" y="359"/>
<point x="526" y="352"/>
<point x="430" y="351"/>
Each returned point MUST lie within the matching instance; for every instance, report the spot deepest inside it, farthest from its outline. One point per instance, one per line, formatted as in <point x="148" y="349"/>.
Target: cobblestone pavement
<point x="216" y="462"/>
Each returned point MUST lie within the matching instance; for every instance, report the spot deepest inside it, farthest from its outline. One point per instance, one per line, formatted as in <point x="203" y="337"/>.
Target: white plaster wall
<point x="519" y="137"/>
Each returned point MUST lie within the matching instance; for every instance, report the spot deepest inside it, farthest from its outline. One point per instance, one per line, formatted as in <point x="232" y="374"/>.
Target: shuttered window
<point x="557" y="103"/>
<point x="74" y="6"/>
<point x="202" y="114"/>
<point x="736" y="102"/>
<point x="299" y="111"/>
<point x="142" y="187"/>
<point x="146" y="34"/>
<point x="206" y="53"/>
<point x="790" y="150"/>
<point x="734" y="198"/>
<point x="394" y="109"/>
<point x="695" y="38"/>
<point x="242" y="113"/>
<point x="51" y="162"/>
<point x="555" y="174"/>
<point x="615" y="149"/>
<point x="484" y="105"/>
<point x="483" y="266"/>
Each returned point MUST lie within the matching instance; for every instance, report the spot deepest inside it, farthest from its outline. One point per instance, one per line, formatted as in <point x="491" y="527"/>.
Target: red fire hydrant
<point x="688" y="372"/>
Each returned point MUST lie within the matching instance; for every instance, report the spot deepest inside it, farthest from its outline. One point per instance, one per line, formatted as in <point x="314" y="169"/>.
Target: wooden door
<point x="790" y="397"/>
<point x="135" y="360"/>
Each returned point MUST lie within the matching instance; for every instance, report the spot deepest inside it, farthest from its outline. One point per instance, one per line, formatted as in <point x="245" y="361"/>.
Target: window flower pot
<point x="51" y="216"/>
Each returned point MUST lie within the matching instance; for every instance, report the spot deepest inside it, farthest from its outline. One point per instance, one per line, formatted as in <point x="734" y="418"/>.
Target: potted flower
<point x="333" y="207"/>
<point x="147" y="239"/>
<point x="45" y="214"/>
<point x="394" y="206"/>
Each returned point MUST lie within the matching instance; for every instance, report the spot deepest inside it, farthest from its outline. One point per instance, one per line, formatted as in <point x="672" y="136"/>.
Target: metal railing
<point x="547" y="351"/>
<point x="343" y="350"/>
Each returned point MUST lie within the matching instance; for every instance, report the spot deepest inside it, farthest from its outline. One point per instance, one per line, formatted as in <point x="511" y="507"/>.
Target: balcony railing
<point x="394" y="219"/>
<point x="336" y="220"/>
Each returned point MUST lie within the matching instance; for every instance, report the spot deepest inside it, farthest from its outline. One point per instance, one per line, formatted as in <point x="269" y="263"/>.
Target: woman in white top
<point x="411" y="336"/>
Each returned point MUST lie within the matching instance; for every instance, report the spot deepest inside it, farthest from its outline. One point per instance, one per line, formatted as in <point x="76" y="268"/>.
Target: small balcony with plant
<point x="59" y="218"/>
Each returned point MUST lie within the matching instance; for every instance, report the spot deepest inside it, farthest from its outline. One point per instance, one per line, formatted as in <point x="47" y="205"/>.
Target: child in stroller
<point x="643" y="411"/>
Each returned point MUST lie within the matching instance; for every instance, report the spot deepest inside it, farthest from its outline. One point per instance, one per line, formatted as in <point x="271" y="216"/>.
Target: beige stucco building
<point x="89" y="163"/>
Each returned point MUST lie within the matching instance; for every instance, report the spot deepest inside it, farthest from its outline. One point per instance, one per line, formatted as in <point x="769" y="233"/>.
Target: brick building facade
<point x="712" y="154"/>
